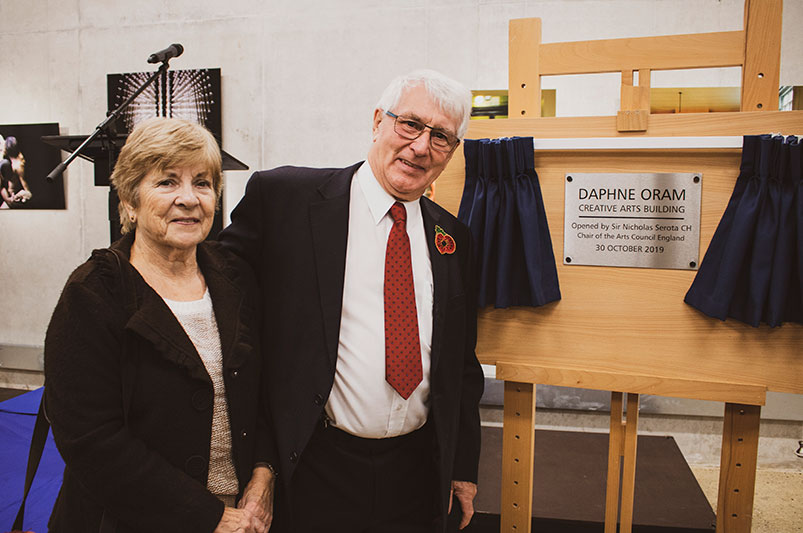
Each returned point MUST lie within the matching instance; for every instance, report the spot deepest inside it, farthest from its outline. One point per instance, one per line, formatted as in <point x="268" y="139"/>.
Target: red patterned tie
<point x="402" y="346"/>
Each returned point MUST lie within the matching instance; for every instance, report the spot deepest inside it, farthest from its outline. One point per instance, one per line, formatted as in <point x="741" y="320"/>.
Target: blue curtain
<point x="752" y="269"/>
<point x="503" y="207"/>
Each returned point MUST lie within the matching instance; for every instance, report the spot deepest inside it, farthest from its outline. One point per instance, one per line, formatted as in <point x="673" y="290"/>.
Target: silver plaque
<point x="647" y="220"/>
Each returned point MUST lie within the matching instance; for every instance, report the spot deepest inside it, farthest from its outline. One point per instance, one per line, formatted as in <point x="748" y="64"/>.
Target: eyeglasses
<point x="411" y="129"/>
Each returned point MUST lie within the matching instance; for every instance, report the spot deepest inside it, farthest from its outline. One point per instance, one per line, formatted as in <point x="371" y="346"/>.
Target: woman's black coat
<point x="130" y="401"/>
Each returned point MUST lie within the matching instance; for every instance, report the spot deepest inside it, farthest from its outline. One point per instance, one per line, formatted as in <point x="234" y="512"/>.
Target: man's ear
<point x="378" y="115"/>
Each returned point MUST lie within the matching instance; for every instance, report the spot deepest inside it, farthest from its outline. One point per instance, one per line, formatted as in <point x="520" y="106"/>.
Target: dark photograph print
<point x="192" y="95"/>
<point x="24" y="162"/>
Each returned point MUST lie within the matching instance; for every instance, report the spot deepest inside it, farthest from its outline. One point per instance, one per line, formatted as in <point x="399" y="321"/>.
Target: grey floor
<point x="778" y="503"/>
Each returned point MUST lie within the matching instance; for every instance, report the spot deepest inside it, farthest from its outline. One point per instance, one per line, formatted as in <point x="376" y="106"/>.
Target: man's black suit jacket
<point x="292" y="227"/>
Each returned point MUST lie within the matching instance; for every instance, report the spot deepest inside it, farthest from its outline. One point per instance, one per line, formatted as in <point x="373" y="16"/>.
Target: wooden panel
<point x="631" y="320"/>
<point x="524" y="81"/>
<point x="616" y="440"/>
<point x="699" y="50"/>
<point x="567" y="376"/>
<point x="683" y="124"/>
<point x="762" y="65"/>
<point x="737" y="474"/>
<point x="518" y="450"/>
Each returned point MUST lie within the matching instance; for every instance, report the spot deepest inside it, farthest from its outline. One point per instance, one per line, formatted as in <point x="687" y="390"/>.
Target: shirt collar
<point x="378" y="199"/>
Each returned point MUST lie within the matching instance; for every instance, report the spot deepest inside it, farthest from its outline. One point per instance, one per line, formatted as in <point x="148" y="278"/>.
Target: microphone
<point x="174" y="50"/>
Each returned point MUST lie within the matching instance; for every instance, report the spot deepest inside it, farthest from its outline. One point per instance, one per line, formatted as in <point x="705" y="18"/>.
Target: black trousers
<point x="349" y="484"/>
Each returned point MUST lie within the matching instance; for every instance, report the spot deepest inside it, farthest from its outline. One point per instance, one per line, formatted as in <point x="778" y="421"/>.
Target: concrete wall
<point x="299" y="81"/>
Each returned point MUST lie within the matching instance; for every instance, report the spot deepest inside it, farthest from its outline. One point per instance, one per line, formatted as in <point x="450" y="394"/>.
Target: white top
<point x="198" y="320"/>
<point x="362" y="402"/>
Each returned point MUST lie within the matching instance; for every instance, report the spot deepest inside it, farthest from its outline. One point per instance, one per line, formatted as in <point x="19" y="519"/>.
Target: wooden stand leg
<point x="622" y="444"/>
<point x="616" y="441"/>
<point x="629" y="469"/>
<point x="518" y="449"/>
<point x="737" y="469"/>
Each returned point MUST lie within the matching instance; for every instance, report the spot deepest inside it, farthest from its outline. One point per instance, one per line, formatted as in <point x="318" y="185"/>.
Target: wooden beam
<point x="762" y="64"/>
<point x="524" y="78"/>
<point x="629" y="466"/>
<point x="698" y="50"/>
<point x="627" y="382"/>
<point x="737" y="470"/>
<point x="664" y="125"/>
<point x="616" y="440"/>
<point x="518" y="452"/>
<point x="622" y="444"/>
<point x="634" y="100"/>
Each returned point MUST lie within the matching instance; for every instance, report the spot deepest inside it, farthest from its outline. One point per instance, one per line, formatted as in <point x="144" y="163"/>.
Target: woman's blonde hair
<point x="157" y="144"/>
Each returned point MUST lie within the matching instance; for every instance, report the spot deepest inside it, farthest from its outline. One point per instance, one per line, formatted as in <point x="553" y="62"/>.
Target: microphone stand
<point x="107" y="126"/>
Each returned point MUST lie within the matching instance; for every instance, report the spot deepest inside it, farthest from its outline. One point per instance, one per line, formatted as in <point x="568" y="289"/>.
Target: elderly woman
<point x="152" y="367"/>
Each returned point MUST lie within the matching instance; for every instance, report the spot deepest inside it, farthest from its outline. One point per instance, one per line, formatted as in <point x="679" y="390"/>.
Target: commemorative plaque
<point x="647" y="220"/>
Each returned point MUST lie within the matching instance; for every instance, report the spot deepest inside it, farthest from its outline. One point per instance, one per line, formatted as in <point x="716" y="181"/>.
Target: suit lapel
<point x="329" y="221"/>
<point x="440" y="279"/>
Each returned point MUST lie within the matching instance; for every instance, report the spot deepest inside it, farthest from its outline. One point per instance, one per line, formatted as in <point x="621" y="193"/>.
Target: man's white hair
<point x="452" y="96"/>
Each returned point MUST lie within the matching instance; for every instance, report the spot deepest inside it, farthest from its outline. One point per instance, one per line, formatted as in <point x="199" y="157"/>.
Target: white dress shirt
<point x="362" y="402"/>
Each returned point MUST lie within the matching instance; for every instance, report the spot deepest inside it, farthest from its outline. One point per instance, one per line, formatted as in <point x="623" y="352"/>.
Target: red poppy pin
<point x="444" y="242"/>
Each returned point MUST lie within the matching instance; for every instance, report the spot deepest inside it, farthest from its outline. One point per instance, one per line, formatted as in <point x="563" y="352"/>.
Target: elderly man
<point x="370" y="325"/>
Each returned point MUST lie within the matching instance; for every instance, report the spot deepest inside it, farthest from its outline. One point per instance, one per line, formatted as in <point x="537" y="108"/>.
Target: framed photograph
<point x="24" y="162"/>
<point x="192" y="95"/>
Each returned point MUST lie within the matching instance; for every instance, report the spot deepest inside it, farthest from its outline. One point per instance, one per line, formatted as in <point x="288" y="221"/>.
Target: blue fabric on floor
<point x="17" y="417"/>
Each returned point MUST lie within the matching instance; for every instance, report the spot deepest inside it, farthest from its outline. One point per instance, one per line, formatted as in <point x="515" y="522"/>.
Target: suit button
<point x="235" y="373"/>
<point x="293" y="457"/>
<point x="195" y="466"/>
<point x="202" y="399"/>
<point x="318" y="399"/>
<point x="244" y="434"/>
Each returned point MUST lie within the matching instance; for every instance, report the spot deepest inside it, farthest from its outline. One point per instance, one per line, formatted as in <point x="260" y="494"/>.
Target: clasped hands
<point x="254" y="512"/>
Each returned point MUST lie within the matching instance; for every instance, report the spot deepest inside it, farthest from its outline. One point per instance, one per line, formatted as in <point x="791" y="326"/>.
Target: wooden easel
<point x="627" y="330"/>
